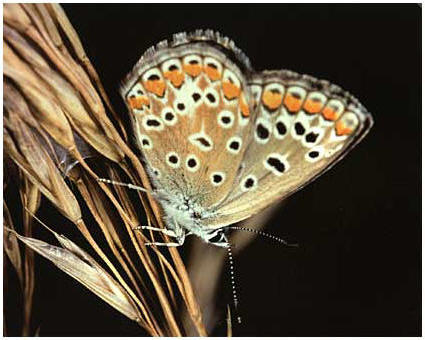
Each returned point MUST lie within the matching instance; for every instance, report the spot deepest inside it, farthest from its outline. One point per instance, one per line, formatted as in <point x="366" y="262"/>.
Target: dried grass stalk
<point x="81" y="266"/>
<point x="30" y="196"/>
<point x="11" y="246"/>
<point x="54" y="111"/>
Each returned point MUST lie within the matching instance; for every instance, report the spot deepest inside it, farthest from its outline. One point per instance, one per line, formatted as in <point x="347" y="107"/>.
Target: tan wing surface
<point x="190" y="112"/>
<point x="302" y="127"/>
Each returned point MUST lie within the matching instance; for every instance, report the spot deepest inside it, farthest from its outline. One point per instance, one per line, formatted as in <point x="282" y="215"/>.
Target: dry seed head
<point x="46" y="109"/>
<point x="36" y="163"/>
<point x="14" y="15"/>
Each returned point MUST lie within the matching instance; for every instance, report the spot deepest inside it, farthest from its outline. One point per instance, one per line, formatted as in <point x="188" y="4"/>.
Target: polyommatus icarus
<point x="221" y="141"/>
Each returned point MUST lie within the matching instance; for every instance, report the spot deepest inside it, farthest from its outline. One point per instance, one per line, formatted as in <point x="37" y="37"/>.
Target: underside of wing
<point x="302" y="127"/>
<point x="189" y="103"/>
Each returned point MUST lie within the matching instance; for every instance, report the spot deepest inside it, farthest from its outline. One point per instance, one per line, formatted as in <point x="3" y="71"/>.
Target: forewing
<point x="190" y="112"/>
<point x="302" y="127"/>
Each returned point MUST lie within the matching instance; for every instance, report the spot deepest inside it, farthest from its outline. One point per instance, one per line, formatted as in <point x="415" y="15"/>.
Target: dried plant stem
<point x="125" y="199"/>
<point x="55" y="103"/>
<point x="81" y="54"/>
<point x="86" y="191"/>
<point x="161" y="294"/>
<point x="30" y="200"/>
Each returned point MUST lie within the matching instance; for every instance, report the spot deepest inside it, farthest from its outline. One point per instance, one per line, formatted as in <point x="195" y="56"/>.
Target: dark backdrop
<point x="357" y="271"/>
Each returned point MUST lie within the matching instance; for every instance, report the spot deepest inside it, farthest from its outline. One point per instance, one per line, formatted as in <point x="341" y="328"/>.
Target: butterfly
<point x="221" y="142"/>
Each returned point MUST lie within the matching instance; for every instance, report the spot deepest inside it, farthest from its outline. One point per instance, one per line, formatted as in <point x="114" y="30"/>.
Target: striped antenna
<point x="262" y="233"/>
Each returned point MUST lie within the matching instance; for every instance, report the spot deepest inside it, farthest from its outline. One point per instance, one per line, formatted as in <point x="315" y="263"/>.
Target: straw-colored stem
<point x="90" y="203"/>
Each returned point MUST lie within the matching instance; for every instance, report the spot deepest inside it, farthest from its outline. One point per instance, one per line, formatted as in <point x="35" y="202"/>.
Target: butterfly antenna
<point x="259" y="232"/>
<point x="232" y="279"/>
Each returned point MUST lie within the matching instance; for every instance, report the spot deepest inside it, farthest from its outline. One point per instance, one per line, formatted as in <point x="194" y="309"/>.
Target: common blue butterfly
<point x="221" y="141"/>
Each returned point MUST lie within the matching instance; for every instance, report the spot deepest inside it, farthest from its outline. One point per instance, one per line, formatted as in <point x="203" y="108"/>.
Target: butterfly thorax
<point x="185" y="212"/>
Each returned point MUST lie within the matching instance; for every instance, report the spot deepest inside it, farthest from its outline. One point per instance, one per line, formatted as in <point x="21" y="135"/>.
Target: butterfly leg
<point x="221" y="242"/>
<point x="178" y="233"/>
<point x="168" y="232"/>
<point x="180" y="241"/>
<point x="128" y="185"/>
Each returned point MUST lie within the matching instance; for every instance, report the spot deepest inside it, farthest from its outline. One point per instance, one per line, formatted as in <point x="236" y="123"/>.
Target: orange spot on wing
<point x="342" y="129"/>
<point x="272" y="100"/>
<point x="176" y="77"/>
<point x="192" y="69"/>
<point x="155" y="86"/>
<point x="244" y="107"/>
<point x="212" y="73"/>
<point x="138" y="102"/>
<point x="292" y="103"/>
<point x="312" y="106"/>
<point x="330" y="114"/>
<point x="230" y="90"/>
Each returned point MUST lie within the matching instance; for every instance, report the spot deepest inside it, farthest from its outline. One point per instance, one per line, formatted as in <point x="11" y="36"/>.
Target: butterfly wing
<point x="225" y="142"/>
<point x="302" y="127"/>
<point x="188" y="101"/>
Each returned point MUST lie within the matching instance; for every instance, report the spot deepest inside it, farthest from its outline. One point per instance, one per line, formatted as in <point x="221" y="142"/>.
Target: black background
<point x="357" y="271"/>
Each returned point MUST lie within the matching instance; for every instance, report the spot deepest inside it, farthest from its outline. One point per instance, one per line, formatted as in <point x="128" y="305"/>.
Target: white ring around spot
<point x="145" y="137"/>
<point x="172" y="165"/>
<point x="219" y="173"/>
<point x="172" y="122"/>
<point x="225" y="114"/>
<point x="151" y="117"/>
<point x="230" y="141"/>
<point x="254" y="186"/>
<point x="196" y="167"/>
